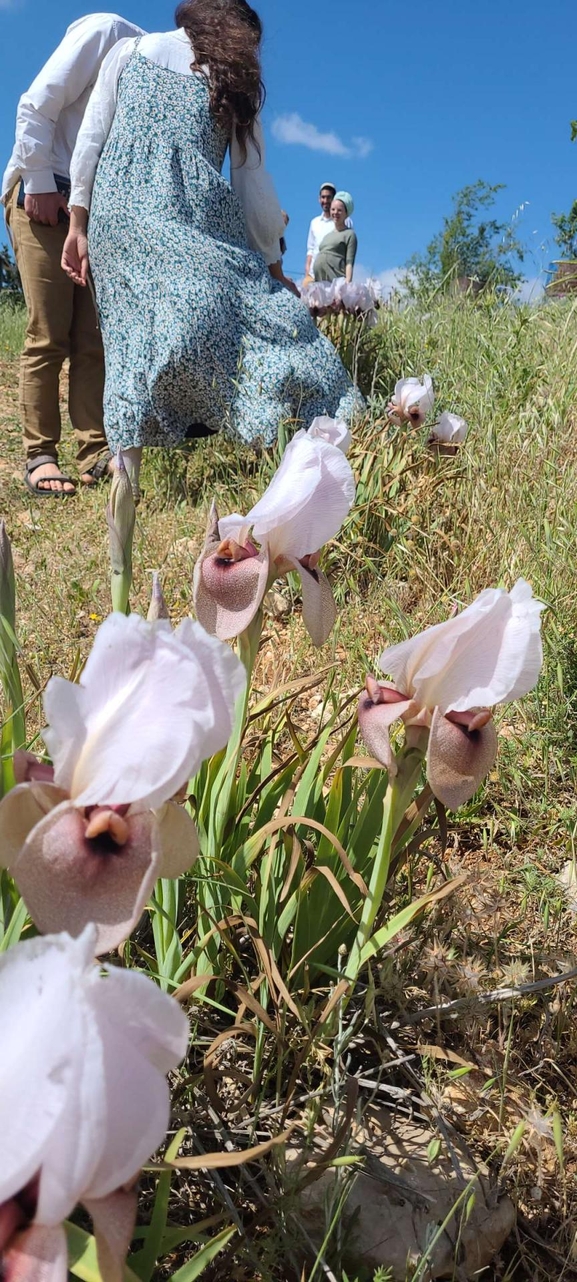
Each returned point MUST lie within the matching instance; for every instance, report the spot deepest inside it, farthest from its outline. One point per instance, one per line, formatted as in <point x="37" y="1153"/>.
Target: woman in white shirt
<point x="198" y="334"/>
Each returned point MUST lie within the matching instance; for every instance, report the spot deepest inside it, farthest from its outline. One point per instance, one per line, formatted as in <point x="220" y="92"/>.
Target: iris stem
<point x="248" y="646"/>
<point x="397" y="798"/>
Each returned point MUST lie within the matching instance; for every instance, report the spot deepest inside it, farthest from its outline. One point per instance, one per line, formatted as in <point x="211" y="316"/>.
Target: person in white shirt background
<point x="202" y="331"/>
<point x="320" y="227"/>
<point x="61" y="318"/>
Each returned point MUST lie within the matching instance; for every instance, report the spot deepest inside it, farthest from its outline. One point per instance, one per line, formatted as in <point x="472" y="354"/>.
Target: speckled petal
<point x="39" y="1254"/>
<point x="113" y="1219"/>
<point x="67" y="881"/>
<point x="228" y="593"/>
<point x="458" y="759"/>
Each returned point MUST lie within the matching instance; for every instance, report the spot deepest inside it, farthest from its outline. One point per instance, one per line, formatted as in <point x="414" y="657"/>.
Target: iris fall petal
<point x="458" y="759"/>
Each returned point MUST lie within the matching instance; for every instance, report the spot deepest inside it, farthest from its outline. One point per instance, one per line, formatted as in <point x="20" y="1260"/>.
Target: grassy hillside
<point x="427" y="533"/>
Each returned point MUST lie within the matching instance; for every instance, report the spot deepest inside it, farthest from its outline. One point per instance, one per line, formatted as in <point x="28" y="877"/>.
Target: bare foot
<point x="49" y="477"/>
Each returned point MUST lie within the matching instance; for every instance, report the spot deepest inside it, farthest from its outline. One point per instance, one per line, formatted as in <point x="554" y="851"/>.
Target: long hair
<point x="225" y="36"/>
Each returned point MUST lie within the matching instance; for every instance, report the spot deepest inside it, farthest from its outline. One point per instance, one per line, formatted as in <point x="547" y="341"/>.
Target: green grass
<point x="12" y="326"/>
<point x="427" y="533"/>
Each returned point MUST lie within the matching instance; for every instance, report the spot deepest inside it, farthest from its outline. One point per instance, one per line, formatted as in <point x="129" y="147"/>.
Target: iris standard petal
<point x="154" y="1024"/>
<point x="222" y="679"/>
<point x="332" y="430"/>
<point x="451" y="429"/>
<point x="76" y="1143"/>
<point x="38" y="1058"/>
<point x="307" y="500"/>
<point x="145" y="708"/>
<point x="137" y="1095"/>
<point x="412" y="394"/>
<point x="496" y="658"/>
<point x="488" y="654"/>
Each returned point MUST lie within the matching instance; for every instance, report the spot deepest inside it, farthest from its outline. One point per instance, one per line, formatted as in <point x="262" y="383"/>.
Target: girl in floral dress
<point x="201" y="329"/>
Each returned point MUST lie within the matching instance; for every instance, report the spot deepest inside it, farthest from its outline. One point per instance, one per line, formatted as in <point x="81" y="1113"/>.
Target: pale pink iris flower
<point x="87" y="839"/>
<point x="412" y="400"/>
<point x="84" y="1100"/>
<point x="451" y="429"/>
<point x="446" y="680"/>
<point x="332" y="430"/>
<point x="305" y="504"/>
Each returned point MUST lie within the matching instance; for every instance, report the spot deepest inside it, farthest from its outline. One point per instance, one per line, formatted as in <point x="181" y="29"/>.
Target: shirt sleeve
<point x="352" y="244"/>
<point x="69" y="72"/>
<point x="97" y="124"/>
<point x="256" y="191"/>
<point x="312" y="240"/>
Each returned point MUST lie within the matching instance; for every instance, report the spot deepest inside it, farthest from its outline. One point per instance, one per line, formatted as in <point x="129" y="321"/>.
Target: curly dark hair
<point x="225" y="36"/>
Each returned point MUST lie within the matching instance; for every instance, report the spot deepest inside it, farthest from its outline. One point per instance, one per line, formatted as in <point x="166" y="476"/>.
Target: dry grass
<point x="428" y="532"/>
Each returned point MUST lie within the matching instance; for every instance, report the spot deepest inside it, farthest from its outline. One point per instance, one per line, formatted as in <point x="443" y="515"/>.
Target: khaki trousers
<point x="61" y="323"/>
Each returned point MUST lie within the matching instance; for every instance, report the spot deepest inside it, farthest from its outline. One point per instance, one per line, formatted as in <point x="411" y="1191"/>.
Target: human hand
<point x="44" y="207"/>
<point x="289" y="284"/>
<point x="75" y="257"/>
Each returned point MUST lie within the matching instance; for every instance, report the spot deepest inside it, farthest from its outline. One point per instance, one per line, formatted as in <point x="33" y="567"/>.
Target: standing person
<point x="61" y="318"/>
<point x="199" y="330"/>
<point x="319" y="228"/>
<point x="338" y="250"/>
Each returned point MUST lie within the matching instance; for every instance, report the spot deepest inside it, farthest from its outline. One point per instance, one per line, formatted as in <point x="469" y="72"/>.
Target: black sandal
<point x="40" y="461"/>
<point x="99" y="471"/>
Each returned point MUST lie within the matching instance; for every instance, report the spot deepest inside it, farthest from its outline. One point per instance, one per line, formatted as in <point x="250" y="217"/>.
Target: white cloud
<point x="530" y="290"/>
<point x="292" y="130"/>
<point x="389" y="279"/>
<point x="362" y="147"/>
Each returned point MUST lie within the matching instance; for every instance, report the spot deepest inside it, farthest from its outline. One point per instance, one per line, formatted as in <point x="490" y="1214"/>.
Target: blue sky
<point x="403" y="104"/>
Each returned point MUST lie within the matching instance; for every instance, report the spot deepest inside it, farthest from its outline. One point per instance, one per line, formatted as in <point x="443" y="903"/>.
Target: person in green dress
<point x="338" y="250"/>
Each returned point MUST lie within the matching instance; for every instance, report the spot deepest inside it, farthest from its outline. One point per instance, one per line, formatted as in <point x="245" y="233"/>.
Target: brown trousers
<point x="61" y="323"/>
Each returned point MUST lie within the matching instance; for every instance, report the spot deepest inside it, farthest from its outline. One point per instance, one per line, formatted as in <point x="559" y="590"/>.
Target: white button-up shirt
<point x="319" y="228"/>
<point x="50" y="114"/>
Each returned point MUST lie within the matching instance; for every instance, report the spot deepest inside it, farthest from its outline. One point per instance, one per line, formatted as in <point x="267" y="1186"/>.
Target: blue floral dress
<point x="197" y="334"/>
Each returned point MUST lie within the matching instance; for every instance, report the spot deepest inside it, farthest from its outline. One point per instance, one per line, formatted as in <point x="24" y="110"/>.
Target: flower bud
<point x="158" y="608"/>
<point x="7" y="583"/>
<point x="121" y="518"/>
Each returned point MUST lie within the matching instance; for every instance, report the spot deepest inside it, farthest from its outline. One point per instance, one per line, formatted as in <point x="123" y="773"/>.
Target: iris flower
<point x="84" y="1100"/>
<point x="445" y="682"/>
<point x="87" y="839"/>
<point x="305" y="504"/>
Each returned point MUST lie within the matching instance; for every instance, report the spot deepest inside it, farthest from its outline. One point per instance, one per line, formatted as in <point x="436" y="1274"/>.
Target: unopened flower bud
<point x="7" y="584"/>
<point x="158" y="608"/>
<point x="121" y="518"/>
